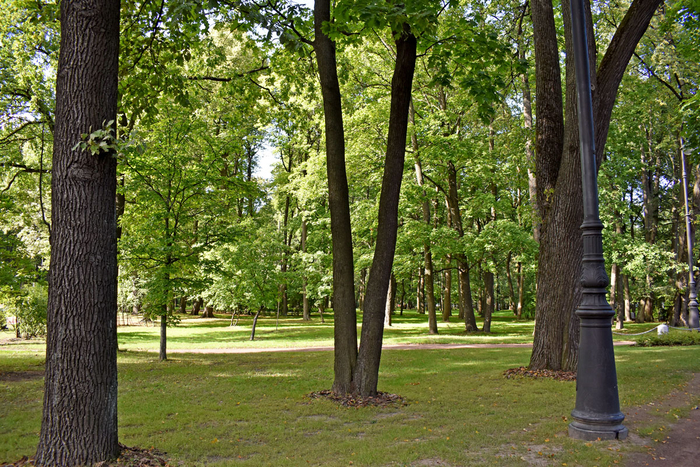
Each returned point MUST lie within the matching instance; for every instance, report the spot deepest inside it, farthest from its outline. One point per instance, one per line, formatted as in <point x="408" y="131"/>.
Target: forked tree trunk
<point x="345" y="323"/>
<point x="367" y="370"/>
<point x="79" y="419"/>
<point x="559" y="191"/>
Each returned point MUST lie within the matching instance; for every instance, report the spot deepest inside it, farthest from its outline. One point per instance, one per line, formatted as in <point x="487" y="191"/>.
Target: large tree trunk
<point x="345" y="324"/>
<point x="555" y="344"/>
<point x="196" y="306"/>
<point x="79" y="421"/>
<point x="367" y="371"/>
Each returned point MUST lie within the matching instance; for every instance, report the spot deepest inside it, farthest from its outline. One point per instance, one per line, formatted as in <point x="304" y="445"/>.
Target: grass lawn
<point x="292" y="331"/>
<point x="252" y="409"/>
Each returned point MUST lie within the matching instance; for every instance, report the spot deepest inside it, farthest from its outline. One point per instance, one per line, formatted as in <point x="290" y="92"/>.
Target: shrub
<point x="672" y="338"/>
<point x="30" y="310"/>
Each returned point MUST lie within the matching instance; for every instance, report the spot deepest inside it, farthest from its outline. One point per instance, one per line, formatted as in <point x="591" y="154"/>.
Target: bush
<point x="672" y="338"/>
<point x="31" y="309"/>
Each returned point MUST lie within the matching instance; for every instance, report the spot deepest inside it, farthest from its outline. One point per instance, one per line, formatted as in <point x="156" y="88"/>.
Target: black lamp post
<point x="597" y="414"/>
<point x="692" y="293"/>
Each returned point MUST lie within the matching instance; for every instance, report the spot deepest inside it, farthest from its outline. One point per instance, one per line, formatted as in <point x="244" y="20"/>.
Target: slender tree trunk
<point x="345" y="324"/>
<point x="390" y="301"/>
<point x="79" y="419"/>
<point x="367" y="370"/>
<point x="521" y="291"/>
<point x="509" y="277"/>
<point x="489" y="302"/>
<point x="447" y="295"/>
<point x="627" y="295"/>
<point x="183" y="305"/>
<point x="420" y="295"/>
<point x="427" y="254"/>
<point x="163" y="354"/>
<point x="255" y="323"/>
<point x="305" y="298"/>
<point x="466" y="307"/>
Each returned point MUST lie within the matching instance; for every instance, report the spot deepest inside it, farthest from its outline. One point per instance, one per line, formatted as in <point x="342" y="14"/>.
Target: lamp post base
<point x="586" y="432"/>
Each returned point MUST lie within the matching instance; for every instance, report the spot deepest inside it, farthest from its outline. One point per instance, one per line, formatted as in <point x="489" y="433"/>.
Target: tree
<point x="559" y="170"/>
<point x="345" y="324"/>
<point x="79" y="422"/>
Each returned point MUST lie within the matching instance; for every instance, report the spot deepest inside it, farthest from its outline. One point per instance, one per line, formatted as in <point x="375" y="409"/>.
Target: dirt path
<point x="675" y="444"/>
<point x="384" y="347"/>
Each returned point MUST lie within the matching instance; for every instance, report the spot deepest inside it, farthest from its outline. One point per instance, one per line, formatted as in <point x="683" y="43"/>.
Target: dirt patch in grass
<point x="16" y="376"/>
<point x="129" y="457"/>
<point x="526" y="372"/>
<point x="672" y="444"/>
<point x="382" y="399"/>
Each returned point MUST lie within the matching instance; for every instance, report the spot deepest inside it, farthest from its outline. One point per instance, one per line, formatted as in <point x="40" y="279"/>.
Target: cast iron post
<point x="692" y="293"/>
<point x="597" y="414"/>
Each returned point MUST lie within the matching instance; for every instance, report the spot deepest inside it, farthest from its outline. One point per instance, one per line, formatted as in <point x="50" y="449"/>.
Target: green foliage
<point x="672" y="338"/>
<point x="99" y="141"/>
<point x="29" y="307"/>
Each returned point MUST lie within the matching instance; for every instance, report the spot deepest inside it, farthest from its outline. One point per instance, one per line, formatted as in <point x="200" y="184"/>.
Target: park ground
<point x="458" y="408"/>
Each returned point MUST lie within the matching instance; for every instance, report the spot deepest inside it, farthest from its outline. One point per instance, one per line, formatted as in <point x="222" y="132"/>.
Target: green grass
<point x="292" y="331"/>
<point x="251" y="409"/>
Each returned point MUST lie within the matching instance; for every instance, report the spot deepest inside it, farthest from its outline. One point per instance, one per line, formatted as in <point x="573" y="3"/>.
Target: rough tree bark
<point x="79" y="421"/>
<point x="345" y="324"/>
<point x="555" y="343"/>
<point x="367" y="370"/>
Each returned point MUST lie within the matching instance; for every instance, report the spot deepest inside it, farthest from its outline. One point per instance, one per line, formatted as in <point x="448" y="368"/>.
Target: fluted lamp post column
<point x="597" y="414"/>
